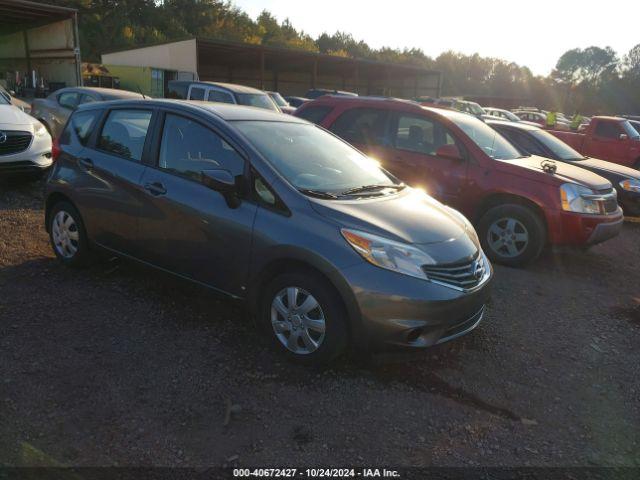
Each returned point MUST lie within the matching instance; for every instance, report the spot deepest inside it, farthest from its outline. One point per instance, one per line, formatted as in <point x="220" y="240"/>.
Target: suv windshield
<point x="312" y="159"/>
<point x="256" y="100"/>
<point x="490" y="141"/>
<point x="557" y="146"/>
<point x="631" y="132"/>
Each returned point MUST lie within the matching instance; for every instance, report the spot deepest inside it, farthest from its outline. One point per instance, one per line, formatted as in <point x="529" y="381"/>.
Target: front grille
<point x="462" y="276"/>
<point x="14" y="141"/>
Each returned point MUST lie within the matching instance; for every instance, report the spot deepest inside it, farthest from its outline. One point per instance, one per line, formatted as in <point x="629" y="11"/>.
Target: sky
<point x="513" y="30"/>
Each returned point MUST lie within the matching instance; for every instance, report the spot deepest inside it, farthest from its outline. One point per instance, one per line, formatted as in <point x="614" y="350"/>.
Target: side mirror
<point x="222" y="181"/>
<point x="450" y="151"/>
<point x="623" y="136"/>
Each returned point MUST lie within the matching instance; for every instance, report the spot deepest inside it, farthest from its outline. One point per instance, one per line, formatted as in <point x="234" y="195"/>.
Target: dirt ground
<point x="120" y="365"/>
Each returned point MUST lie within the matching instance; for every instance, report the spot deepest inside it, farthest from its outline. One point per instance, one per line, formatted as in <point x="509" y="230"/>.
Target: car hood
<point x="11" y="116"/>
<point x="565" y="173"/>
<point x="607" y="167"/>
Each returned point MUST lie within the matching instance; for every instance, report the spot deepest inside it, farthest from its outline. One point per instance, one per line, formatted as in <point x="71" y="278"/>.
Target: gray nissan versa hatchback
<point x="325" y="246"/>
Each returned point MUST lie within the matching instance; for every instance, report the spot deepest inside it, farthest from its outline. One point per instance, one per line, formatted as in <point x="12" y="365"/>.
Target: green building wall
<point x="135" y="79"/>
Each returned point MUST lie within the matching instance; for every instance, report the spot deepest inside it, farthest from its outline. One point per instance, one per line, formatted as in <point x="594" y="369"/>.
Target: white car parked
<point x="25" y="144"/>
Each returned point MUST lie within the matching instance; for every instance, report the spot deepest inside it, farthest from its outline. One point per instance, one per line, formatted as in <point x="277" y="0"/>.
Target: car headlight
<point x="382" y="252"/>
<point x="39" y="130"/>
<point x="631" y="185"/>
<point x="579" y="199"/>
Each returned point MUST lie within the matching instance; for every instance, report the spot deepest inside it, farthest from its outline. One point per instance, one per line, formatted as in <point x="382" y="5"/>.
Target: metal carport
<point x="38" y="41"/>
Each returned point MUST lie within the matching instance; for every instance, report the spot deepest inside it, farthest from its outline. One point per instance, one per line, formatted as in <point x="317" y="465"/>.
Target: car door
<point x="112" y="167"/>
<point x="606" y="144"/>
<point x="416" y="139"/>
<point x="186" y="227"/>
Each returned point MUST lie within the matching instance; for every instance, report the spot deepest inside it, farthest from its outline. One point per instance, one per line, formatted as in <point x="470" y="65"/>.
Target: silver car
<point x="54" y="110"/>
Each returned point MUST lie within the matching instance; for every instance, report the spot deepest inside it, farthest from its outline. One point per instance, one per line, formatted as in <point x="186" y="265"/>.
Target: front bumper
<point x="576" y="229"/>
<point x="25" y="166"/>
<point x="401" y="311"/>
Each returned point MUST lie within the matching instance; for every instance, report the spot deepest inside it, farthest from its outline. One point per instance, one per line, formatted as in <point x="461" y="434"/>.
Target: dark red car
<point x="518" y="203"/>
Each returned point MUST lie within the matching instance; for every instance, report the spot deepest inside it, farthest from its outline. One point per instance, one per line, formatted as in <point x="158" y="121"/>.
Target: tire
<point x="68" y="236"/>
<point x="329" y="344"/>
<point x="523" y="239"/>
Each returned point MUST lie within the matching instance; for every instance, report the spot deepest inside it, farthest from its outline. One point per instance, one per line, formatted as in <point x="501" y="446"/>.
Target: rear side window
<point x="69" y="100"/>
<point x="364" y="126"/>
<point x="188" y="148"/>
<point x="218" y="96"/>
<point x="124" y="133"/>
<point x="315" y="114"/>
<point x="196" y="94"/>
<point x="177" y="90"/>
<point x="80" y="125"/>
<point x="608" y="130"/>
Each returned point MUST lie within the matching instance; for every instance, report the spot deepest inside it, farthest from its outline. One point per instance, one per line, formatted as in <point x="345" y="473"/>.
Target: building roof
<point x="238" y="52"/>
<point x="20" y="14"/>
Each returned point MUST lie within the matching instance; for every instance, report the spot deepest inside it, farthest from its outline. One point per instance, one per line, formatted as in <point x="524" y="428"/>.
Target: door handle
<point x="86" y="163"/>
<point x="155" y="188"/>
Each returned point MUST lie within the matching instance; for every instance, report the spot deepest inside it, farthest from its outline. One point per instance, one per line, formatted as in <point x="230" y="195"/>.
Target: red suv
<point x="518" y="203"/>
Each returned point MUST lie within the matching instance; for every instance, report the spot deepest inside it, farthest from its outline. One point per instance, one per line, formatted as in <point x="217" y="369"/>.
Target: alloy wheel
<point x="65" y="234"/>
<point x="298" y="320"/>
<point x="508" y="237"/>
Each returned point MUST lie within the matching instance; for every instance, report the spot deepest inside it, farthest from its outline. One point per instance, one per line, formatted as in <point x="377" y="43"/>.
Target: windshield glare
<point x="557" y="146"/>
<point x="312" y="159"/>
<point x="490" y="141"/>
<point x="256" y="100"/>
<point x="628" y="128"/>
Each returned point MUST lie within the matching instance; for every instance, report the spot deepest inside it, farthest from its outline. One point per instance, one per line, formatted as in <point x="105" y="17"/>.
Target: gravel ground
<point x="120" y="365"/>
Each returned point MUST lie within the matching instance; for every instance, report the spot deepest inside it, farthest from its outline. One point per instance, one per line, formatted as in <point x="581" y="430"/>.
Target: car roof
<point x="107" y="93"/>
<point x="513" y="125"/>
<point x="225" y="111"/>
<point x="232" y="87"/>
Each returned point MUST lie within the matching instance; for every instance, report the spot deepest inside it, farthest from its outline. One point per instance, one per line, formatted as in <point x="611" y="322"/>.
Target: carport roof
<point x="20" y="14"/>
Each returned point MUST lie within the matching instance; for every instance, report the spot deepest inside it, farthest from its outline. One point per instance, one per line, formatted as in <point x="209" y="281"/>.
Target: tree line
<point x="591" y="80"/>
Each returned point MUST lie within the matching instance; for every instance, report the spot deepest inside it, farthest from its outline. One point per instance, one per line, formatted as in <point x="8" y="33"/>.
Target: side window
<point x="68" y="100"/>
<point x="81" y="125"/>
<point x="608" y="129"/>
<point x="364" y="126"/>
<point x="421" y="135"/>
<point x="196" y="93"/>
<point x="84" y="98"/>
<point x="315" y="114"/>
<point x="218" y="96"/>
<point x="124" y="133"/>
<point x="188" y="148"/>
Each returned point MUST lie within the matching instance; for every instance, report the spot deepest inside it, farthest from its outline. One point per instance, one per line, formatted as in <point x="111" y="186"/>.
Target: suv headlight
<point x="576" y="198"/>
<point x="631" y="185"/>
<point x="39" y="130"/>
<point x="382" y="252"/>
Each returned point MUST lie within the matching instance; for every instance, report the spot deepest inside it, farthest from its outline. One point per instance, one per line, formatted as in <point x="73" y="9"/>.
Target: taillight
<point x="55" y="149"/>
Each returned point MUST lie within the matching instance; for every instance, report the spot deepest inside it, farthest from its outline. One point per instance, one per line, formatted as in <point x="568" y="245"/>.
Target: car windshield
<point x="276" y="97"/>
<point x="490" y="141"/>
<point x="476" y="109"/>
<point x="311" y="159"/>
<point x="3" y="99"/>
<point x="557" y="146"/>
<point x="260" y="100"/>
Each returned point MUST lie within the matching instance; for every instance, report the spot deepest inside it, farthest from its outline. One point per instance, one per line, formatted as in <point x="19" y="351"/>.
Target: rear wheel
<point x="512" y="234"/>
<point x="304" y="317"/>
<point x="67" y="235"/>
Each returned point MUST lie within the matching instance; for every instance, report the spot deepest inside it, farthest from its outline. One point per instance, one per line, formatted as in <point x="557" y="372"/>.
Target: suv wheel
<point x="512" y="234"/>
<point x="67" y="235"/>
<point x="305" y="318"/>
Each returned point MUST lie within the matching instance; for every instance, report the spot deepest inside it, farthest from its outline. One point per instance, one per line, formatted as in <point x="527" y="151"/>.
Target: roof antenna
<point x="140" y="91"/>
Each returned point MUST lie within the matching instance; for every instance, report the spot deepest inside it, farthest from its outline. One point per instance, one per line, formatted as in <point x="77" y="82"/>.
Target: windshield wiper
<point x="317" y="193"/>
<point x="368" y="188"/>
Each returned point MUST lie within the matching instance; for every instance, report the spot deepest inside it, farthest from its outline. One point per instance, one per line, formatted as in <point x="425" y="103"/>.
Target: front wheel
<point x="512" y="235"/>
<point x="305" y="318"/>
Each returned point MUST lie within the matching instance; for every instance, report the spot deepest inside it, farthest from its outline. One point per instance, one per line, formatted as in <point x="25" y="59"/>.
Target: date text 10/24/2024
<point x="316" y="472"/>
